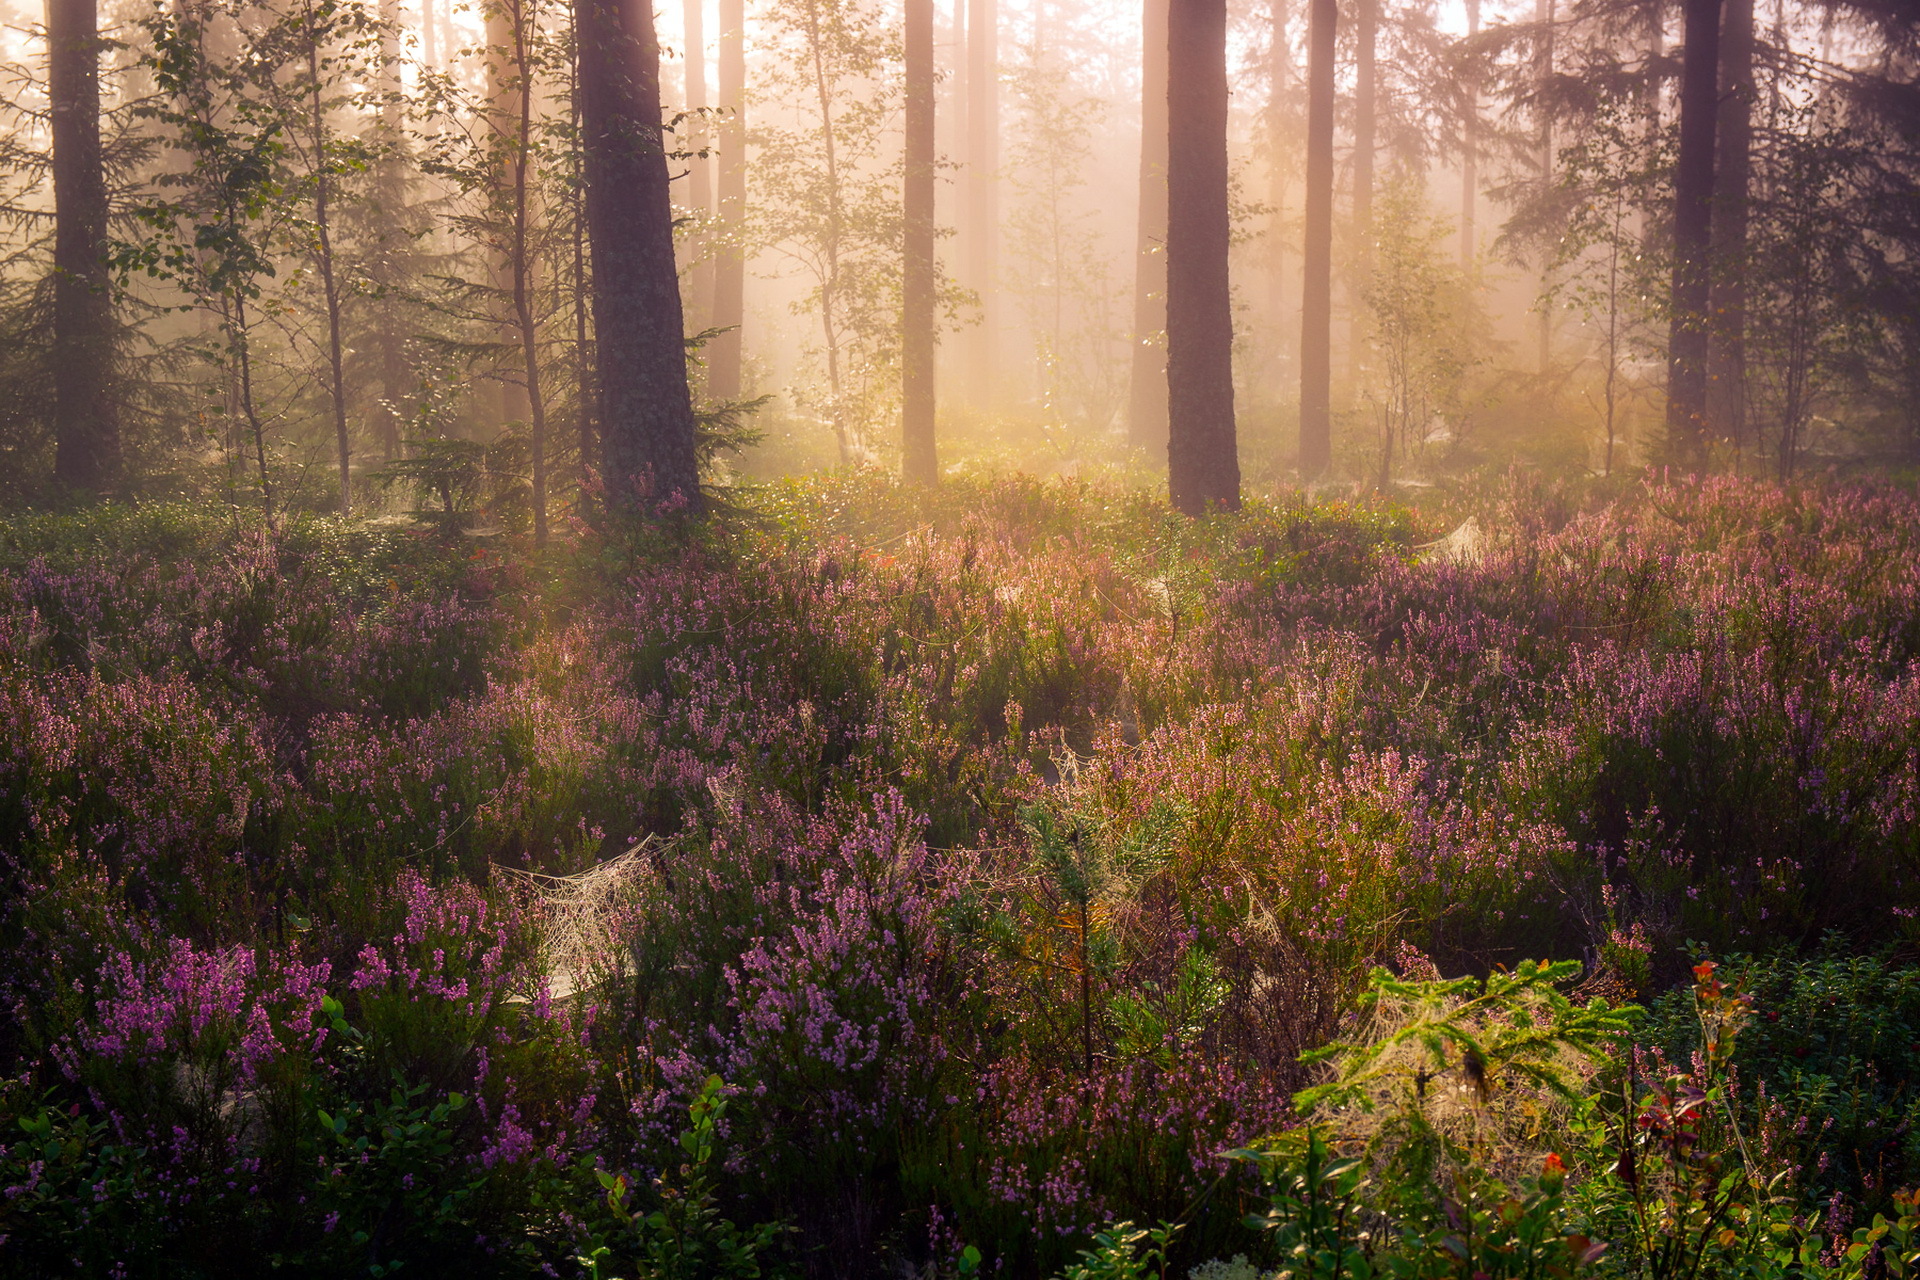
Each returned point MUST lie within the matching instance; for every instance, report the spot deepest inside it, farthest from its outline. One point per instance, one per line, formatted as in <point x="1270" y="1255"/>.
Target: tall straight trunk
<point x="730" y="263"/>
<point x="392" y="195"/>
<point x="1147" y="385"/>
<point x="86" y="420"/>
<point x="699" y="167"/>
<point x="1203" y="465"/>
<point x="329" y="284"/>
<point x="647" y="435"/>
<point x="520" y="254"/>
<point x="429" y="36"/>
<point x="1693" y="234"/>
<point x="510" y="401"/>
<point x="585" y="440"/>
<point x="1279" y="80"/>
<point x="1733" y="168"/>
<point x="917" y="302"/>
<point x="1366" y="95"/>
<point x="1543" y="75"/>
<point x="1316" y="250"/>
<point x="1470" y="147"/>
<point x="983" y="193"/>
<point x="1651" y="124"/>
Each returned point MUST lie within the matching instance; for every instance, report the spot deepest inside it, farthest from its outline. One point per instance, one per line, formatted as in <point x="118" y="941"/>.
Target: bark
<point x="1726" y="341"/>
<point x="520" y="255"/>
<point x="86" y="419"/>
<point x="510" y="401"/>
<point x="646" y="412"/>
<point x="1692" y="234"/>
<point x="429" y="36"/>
<point x="730" y="264"/>
<point x="1316" y="290"/>
<point x="1147" y="386"/>
<point x="983" y="193"/>
<point x="699" y="167"/>
<point x="918" y="283"/>
<point x="329" y="284"/>
<point x="1279" y="77"/>
<point x="1366" y="92"/>
<point x="1203" y="466"/>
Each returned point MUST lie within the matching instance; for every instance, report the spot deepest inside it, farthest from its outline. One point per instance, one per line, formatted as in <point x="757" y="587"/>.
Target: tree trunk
<point x="429" y="37"/>
<point x="1203" y="466"/>
<point x="329" y="285"/>
<point x="1147" y="387"/>
<point x="1366" y="93"/>
<point x="646" y="412"/>
<point x="521" y="255"/>
<point x="1692" y="235"/>
<point x="1543" y="76"/>
<point x="730" y="262"/>
<point x="983" y="193"/>
<point x="86" y="420"/>
<point x="393" y="197"/>
<point x="1279" y="77"/>
<point x="503" y="71"/>
<point x="699" y="167"/>
<point x="1316" y="289"/>
<point x="1726" y="341"/>
<point x="918" y="283"/>
<point x="1470" y="147"/>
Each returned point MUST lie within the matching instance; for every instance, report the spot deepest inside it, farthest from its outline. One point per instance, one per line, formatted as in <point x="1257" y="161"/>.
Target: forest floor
<point x="384" y="895"/>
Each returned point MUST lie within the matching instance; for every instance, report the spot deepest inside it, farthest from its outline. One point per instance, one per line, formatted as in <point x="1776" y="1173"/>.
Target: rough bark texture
<point x="1733" y="168"/>
<point x="85" y="418"/>
<point x="920" y="465"/>
<point x="1316" y="289"/>
<point x="1692" y="234"/>
<point x="1366" y="86"/>
<point x="983" y="196"/>
<point x="723" y="353"/>
<point x="1203" y="466"/>
<point x="1147" y="385"/>
<point x="646" y="413"/>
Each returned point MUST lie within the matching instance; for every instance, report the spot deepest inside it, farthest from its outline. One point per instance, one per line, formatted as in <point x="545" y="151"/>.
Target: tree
<point x="1413" y="303"/>
<point x="723" y="352"/>
<point x="983" y="188"/>
<point x="1692" y="234"/>
<point x="646" y="409"/>
<point x="1203" y="465"/>
<point x="1147" y="374"/>
<point x="86" y="417"/>
<point x="1316" y="294"/>
<point x="1366" y="92"/>
<point x="919" y="284"/>
<point x="1726" y="338"/>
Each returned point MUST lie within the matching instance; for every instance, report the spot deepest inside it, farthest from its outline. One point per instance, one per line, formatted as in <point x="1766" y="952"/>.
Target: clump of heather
<point x="1000" y="849"/>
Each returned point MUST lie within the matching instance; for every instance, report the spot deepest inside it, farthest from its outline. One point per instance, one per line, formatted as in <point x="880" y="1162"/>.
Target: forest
<point x="1054" y="639"/>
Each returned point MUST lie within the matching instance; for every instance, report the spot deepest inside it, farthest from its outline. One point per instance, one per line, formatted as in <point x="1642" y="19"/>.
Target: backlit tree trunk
<point x="1203" y="467"/>
<point x="730" y="262"/>
<point x="920" y="464"/>
<point x="699" y="168"/>
<point x="1692" y="234"/>
<point x="1316" y="290"/>
<point x="1726" y="340"/>
<point x="85" y="418"/>
<point x="646" y="412"/>
<point x="1147" y="385"/>
<point x="1366" y="85"/>
<point x="983" y="193"/>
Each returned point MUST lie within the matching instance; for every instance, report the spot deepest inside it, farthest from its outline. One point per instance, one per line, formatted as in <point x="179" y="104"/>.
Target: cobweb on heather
<point x="581" y="916"/>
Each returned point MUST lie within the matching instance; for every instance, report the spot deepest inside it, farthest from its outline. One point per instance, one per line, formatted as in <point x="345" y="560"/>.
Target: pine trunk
<point x="1726" y="343"/>
<point x="1203" y="467"/>
<point x="983" y="193"/>
<point x="723" y="353"/>
<point x="1147" y="387"/>
<point x="699" y="167"/>
<point x="1366" y="82"/>
<point x="1692" y="235"/>
<point x="85" y="418"/>
<point x="646" y="412"/>
<point x="918" y="283"/>
<point x="1316" y="290"/>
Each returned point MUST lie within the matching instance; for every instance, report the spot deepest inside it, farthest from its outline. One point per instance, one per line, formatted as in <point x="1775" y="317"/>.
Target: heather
<point x="1000" y="849"/>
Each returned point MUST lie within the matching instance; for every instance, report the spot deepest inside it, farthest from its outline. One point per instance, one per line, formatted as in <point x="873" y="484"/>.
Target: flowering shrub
<point x="1003" y="848"/>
